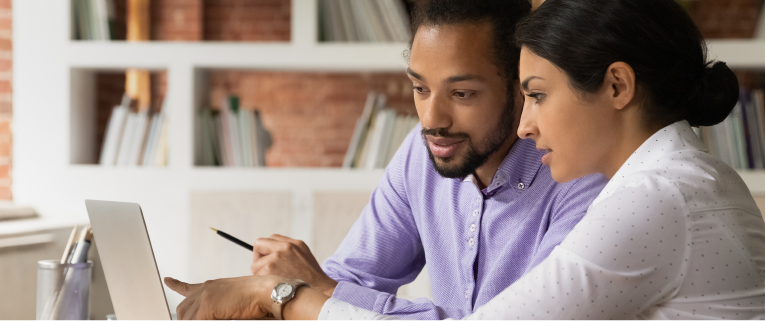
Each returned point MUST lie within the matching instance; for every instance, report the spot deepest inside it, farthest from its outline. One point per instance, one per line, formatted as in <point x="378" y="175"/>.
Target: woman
<point x="614" y="87"/>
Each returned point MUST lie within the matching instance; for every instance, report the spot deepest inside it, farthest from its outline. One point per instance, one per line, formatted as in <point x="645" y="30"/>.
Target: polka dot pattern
<point x="674" y="235"/>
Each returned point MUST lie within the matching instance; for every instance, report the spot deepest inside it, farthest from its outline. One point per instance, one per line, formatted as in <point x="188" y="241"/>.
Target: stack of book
<point x="377" y="135"/>
<point x="93" y="19"/>
<point x="739" y="140"/>
<point x="135" y="138"/>
<point x="369" y="21"/>
<point x="232" y="136"/>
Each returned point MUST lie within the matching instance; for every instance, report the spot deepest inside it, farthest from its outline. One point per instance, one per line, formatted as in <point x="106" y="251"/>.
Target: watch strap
<point x="277" y="304"/>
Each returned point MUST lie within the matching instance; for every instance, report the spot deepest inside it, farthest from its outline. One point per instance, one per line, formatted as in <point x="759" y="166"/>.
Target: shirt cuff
<point x="358" y="295"/>
<point x="334" y="309"/>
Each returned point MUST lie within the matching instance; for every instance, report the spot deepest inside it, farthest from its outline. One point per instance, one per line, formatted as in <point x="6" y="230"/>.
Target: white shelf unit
<point x="51" y="99"/>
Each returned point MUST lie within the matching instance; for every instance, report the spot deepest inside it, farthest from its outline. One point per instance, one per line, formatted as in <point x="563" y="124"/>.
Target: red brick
<point x="6" y="23"/>
<point x="5" y="86"/>
<point x="5" y="193"/>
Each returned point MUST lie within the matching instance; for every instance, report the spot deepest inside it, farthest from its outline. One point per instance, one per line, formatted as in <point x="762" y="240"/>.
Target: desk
<point x="22" y="244"/>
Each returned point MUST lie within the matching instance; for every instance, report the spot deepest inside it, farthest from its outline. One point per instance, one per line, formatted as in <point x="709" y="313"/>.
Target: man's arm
<point x="383" y="249"/>
<point x="569" y="208"/>
<point x="381" y="252"/>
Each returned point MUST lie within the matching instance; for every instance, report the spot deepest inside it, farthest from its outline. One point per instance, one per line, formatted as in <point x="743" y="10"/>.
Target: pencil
<point x="233" y="239"/>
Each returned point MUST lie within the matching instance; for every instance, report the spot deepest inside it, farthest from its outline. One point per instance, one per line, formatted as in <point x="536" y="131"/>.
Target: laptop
<point x="128" y="260"/>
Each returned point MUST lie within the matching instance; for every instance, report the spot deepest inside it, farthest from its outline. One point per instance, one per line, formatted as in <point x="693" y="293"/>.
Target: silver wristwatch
<point x="283" y="293"/>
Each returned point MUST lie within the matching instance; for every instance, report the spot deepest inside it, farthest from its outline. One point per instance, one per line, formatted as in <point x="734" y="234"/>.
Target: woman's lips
<point x="443" y="147"/>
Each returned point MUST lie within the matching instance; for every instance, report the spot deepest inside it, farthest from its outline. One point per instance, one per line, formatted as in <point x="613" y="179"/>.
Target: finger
<point x="258" y="267"/>
<point x="182" y="288"/>
<point x="293" y="241"/>
<point x="191" y="314"/>
<point x="265" y="246"/>
<point x="183" y="307"/>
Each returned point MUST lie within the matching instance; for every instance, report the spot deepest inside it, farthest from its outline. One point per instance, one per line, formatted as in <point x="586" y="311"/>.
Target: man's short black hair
<point x="502" y="15"/>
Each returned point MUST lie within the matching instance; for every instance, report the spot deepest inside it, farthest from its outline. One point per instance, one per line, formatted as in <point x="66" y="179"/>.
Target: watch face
<point x="284" y="290"/>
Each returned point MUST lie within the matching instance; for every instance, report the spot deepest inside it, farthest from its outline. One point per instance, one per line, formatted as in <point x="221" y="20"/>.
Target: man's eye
<point x="461" y="94"/>
<point x="418" y="89"/>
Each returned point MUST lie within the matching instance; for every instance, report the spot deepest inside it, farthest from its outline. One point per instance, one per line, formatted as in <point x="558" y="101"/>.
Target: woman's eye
<point x="537" y="96"/>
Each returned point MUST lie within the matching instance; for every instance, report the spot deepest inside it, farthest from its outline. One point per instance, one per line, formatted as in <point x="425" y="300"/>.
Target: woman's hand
<point x="247" y="297"/>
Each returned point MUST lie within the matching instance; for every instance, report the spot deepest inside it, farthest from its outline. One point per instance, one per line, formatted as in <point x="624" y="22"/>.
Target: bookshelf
<point x="51" y="169"/>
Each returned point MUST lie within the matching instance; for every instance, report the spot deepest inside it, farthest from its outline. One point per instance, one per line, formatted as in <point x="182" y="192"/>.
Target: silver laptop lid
<point x="128" y="260"/>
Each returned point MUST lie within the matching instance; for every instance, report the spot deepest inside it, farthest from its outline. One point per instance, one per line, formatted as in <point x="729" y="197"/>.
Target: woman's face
<point x="577" y="131"/>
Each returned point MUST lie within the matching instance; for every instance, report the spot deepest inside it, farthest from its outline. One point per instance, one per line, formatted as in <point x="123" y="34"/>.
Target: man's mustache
<point x="442" y="132"/>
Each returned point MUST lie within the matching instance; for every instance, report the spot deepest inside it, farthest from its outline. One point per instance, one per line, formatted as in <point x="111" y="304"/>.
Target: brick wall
<point x="214" y="20"/>
<point x="311" y="116"/>
<point x="6" y="89"/>
<point x="725" y="18"/>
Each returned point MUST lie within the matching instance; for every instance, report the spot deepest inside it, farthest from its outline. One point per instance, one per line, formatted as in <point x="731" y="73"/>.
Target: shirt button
<point x="473" y="227"/>
<point x="475" y="212"/>
<point x="471" y="241"/>
<point x="467" y="294"/>
<point x="520" y="186"/>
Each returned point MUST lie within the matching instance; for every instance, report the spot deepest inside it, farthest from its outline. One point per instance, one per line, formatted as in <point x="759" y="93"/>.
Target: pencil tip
<point x="214" y="229"/>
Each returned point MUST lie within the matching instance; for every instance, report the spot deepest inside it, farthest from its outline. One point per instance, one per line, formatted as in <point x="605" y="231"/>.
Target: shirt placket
<point x="472" y="232"/>
<point x="473" y="227"/>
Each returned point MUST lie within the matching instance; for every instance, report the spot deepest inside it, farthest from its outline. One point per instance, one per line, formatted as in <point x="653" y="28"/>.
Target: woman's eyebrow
<point x="525" y="83"/>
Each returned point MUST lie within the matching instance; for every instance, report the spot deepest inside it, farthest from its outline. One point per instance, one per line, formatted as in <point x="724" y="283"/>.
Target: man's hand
<point x="292" y="259"/>
<point x="247" y="297"/>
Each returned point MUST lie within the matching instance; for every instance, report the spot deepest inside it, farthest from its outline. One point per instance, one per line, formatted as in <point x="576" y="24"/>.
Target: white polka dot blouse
<point x="675" y="234"/>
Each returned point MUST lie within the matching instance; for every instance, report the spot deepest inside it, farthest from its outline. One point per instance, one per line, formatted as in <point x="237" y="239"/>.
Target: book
<point x="358" y="137"/>
<point x="161" y="154"/>
<point x="738" y="140"/>
<point x="153" y="142"/>
<point x="216" y="139"/>
<point x="361" y="159"/>
<point x="114" y="130"/>
<point x="226" y="139"/>
<point x="137" y="143"/>
<point x="347" y="19"/>
<point x="254" y="139"/>
<point x="126" y="145"/>
<point x="243" y="119"/>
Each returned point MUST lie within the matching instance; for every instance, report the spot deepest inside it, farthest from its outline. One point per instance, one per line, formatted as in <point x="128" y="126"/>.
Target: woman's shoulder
<point x="703" y="181"/>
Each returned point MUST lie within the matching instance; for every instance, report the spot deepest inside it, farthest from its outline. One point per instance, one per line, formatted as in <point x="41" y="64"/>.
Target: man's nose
<point x="435" y="114"/>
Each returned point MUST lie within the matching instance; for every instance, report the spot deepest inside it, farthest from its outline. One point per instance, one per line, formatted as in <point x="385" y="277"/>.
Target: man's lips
<point x="443" y="147"/>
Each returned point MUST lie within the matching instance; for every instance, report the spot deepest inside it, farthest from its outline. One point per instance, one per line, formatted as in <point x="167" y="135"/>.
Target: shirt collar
<point x="518" y="169"/>
<point x="660" y="147"/>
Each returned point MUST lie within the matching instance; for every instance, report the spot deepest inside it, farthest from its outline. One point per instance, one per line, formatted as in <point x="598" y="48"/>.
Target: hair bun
<point x="716" y="95"/>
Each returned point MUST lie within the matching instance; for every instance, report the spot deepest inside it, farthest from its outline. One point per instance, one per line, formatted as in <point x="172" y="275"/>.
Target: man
<point x="462" y="194"/>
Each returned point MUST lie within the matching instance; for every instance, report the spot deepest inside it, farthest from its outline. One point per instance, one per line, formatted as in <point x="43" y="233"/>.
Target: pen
<point x="81" y="245"/>
<point x="69" y="246"/>
<point x="233" y="239"/>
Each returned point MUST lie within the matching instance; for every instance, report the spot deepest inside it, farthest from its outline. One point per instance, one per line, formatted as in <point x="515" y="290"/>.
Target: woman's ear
<point x="620" y="83"/>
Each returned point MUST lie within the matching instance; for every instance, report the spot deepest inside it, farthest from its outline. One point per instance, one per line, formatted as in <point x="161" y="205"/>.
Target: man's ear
<point x="620" y="84"/>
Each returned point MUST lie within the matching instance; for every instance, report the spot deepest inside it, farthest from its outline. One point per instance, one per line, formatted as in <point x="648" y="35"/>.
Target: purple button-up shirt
<point x="476" y="242"/>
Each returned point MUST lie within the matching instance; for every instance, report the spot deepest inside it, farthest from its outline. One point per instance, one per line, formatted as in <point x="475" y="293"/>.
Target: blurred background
<point x="251" y="116"/>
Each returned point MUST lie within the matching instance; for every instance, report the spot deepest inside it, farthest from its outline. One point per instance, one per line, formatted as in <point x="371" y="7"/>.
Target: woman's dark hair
<point x="502" y="15"/>
<point x="655" y="37"/>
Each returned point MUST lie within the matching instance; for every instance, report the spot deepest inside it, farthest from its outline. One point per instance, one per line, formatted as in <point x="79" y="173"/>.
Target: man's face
<point x="460" y="96"/>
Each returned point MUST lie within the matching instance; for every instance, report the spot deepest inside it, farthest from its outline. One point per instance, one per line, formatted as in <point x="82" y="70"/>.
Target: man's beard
<point x="459" y="166"/>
